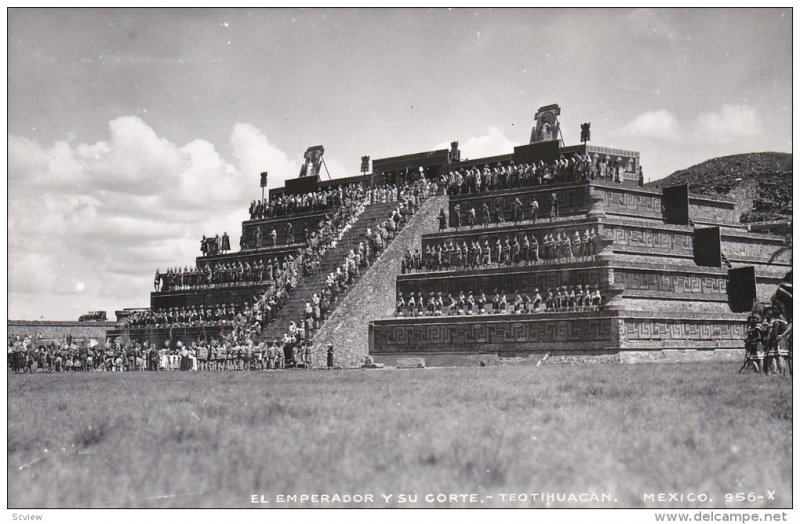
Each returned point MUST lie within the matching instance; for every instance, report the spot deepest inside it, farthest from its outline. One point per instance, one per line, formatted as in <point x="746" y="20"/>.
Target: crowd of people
<point x="223" y="274"/>
<point x="564" y="298"/>
<point x="237" y="273"/>
<point x="376" y="238"/>
<point x="241" y="319"/>
<point x="520" y="212"/>
<point x="578" y="167"/>
<point x="768" y="342"/>
<point x="281" y="276"/>
<point x="261" y="239"/>
<point x="216" y="355"/>
<point x="215" y="245"/>
<point x="513" y="251"/>
<point x="321" y="200"/>
<point x="286" y="204"/>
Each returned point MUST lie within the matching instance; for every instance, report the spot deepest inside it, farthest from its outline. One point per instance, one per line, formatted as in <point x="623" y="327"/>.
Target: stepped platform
<point x="207" y="296"/>
<point x="638" y="279"/>
<point x="252" y="255"/>
<point x="594" y="334"/>
<point x="670" y="285"/>
<point x="574" y="199"/>
<point x="311" y="219"/>
<point x="590" y="331"/>
<point x="630" y="236"/>
<point x="237" y="294"/>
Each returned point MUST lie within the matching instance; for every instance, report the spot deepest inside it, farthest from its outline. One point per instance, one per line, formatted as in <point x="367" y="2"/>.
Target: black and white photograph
<point x="400" y="258"/>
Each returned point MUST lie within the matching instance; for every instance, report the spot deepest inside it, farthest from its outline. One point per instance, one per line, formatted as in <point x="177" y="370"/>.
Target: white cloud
<point x="90" y="223"/>
<point x="494" y="142"/>
<point x="731" y="123"/>
<point x="660" y="124"/>
<point x="256" y="154"/>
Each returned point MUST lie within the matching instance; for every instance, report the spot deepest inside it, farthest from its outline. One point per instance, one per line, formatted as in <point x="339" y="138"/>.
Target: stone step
<point x="373" y="295"/>
<point x="294" y="308"/>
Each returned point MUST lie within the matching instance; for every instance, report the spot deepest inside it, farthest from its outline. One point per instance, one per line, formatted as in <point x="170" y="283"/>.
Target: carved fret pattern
<point x="708" y="330"/>
<point x="636" y="204"/>
<point x="675" y="283"/>
<point x="677" y="242"/>
<point x="503" y="335"/>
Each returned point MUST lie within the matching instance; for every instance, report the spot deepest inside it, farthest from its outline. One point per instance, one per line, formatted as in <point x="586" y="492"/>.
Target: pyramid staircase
<point x="373" y="295"/>
<point x="294" y="306"/>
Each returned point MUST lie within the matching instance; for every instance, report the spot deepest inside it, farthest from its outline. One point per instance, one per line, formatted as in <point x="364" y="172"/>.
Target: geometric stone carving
<point x="492" y="333"/>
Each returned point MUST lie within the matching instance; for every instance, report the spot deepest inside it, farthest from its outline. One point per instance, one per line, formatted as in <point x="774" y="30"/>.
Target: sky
<point x="134" y="132"/>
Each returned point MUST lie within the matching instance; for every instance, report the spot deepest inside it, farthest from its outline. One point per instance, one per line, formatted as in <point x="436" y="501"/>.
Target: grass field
<point x="214" y="439"/>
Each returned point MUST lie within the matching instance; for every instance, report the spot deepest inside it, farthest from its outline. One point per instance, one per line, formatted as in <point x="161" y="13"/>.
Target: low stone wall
<point x="558" y="333"/>
<point x="755" y="248"/>
<point x="682" y="331"/>
<point x="253" y="255"/>
<point x="523" y="279"/>
<point x="673" y="280"/>
<point x="566" y="358"/>
<point x="705" y="210"/>
<point x="157" y="336"/>
<point x="508" y="230"/>
<point x="572" y="200"/>
<point x="298" y="221"/>
<point x="206" y="296"/>
<point x="682" y="356"/>
<point x="646" y="203"/>
<point x="629" y="236"/>
<point x="657" y="240"/>
<point x="618" y="199"/>
<point x="623" y="200"/>
<point x="496" y="333"/>
<point x="47" y="331"/>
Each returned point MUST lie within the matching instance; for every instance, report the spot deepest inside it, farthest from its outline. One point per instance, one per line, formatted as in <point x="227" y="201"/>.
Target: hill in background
<point x="760" y="183"/>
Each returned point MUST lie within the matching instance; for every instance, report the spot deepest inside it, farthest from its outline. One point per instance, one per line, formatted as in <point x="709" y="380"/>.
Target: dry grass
<point x="213" y="439"/>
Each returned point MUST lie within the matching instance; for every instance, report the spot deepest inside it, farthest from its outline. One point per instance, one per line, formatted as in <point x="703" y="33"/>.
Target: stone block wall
<point x="56" y="331"/>
<point x="683" y="331"/>
<point x="704" y="210"/>
<point x="617" y="199"/>
<point x="572" y="200"/>
<point x="754" y="248"/>
<point x="555" y="333"/>
<point x="661" y="240"/>
<point x="508" y="230"/>
<point x="249" y="228"/>
<point x="205" y="296"/>
<point x="523" y="279"/>
<point x="250" y="256"/>
<point x="157" y="336"/>
<point x="674" y="280"/>
<point x="640" y="203"/>
<point x="493" y="334"/>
